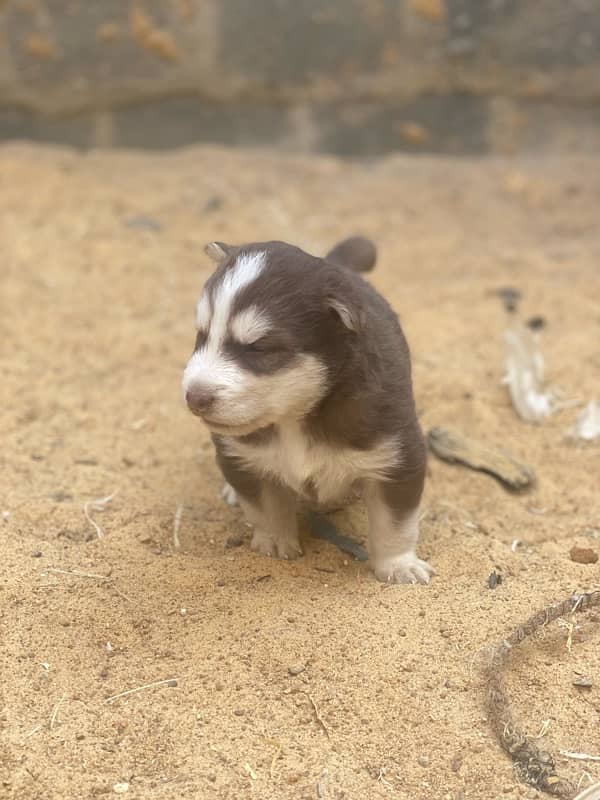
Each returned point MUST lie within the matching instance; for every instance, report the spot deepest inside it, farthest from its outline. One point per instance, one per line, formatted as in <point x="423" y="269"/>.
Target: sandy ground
<point x="101" y="264"/>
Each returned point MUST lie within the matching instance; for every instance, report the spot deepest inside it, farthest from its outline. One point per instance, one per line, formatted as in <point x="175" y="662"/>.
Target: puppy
<point x="302" y="374"/>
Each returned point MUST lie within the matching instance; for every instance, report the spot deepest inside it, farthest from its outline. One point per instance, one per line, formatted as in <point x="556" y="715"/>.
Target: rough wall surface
<point x="349" y="76"/>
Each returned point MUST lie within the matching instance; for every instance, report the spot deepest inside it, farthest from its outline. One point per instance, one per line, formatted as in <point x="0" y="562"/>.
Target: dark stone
<point x="495" y="579"/>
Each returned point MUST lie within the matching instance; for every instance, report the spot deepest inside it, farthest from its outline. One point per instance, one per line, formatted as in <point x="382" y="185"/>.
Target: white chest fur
<point x="297" y="461"/>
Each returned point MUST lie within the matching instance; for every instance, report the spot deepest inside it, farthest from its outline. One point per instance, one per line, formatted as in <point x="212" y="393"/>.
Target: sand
<point x="101" y="264"/>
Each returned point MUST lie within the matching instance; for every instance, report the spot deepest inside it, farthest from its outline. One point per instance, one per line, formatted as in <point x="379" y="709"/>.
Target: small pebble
<point x="536" y="323"/>
<point x="510" y="297"/>
<point x="456" y="762"/>
<point x="239" y="712"/>
<point x="583" y="682"/>
<point x="296" y="669"/>
<point x="120" y="788"/>
<point x="233" y="541"/>
<point x="495" y="579"/>
<point x="61" y="497"/>
<point x="36" y="554"/>
<point x="583" y="555"/>
<point x="221" y="582"/>
<point x="213" y="203"/>
<point x="143" y="223"/>
<point x="424" y="761"/>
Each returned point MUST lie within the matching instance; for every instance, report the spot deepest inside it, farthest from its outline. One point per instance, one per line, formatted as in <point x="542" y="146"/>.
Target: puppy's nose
<point x="199" y="397"/>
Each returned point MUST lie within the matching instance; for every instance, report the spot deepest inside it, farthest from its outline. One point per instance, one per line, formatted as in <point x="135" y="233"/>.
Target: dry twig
<point x="97" y="505"/>
<point x="78" y="574"/>
<point x="579" y="756"/>
<point x="55" y="710"/>
<point x="319" y="718"/>
<point x="176" y="526"/>
<point x="166" y="682"/>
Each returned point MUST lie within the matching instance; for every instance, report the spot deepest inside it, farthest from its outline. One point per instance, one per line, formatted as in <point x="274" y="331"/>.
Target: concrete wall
<point x="348" y="76"/>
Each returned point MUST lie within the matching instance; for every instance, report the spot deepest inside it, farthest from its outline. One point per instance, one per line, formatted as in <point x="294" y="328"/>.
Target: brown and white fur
<point x="302" y="373"/>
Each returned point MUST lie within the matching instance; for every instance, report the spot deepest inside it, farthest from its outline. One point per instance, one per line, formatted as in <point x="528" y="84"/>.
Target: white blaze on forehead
<point x="209" y="365"/>
<point x="249" y="325"/>
<point x="245" y="270"/>
<point x="203" y="313"/>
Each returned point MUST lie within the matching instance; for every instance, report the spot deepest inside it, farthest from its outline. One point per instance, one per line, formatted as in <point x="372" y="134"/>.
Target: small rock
<point x="61" y="497"/>
<point x="536" y="323"/>
<point x="509" y="296"/>
<point x="214" y="203"/>
<point x="424" y="761"/>
<point x="456" y="763"/>
<point x="583" y="555"/>
<point x="583" y="682"/>
<point x="233" y="541"/>
<point x="36" y="554"/>
<point x="239" y="712"/>
<point x="296" y="669"/>
<point x="143" y="223"/>
<point x="120" y="788"/>
<point x="495" y="579"/>
<point x="221" y="582"/>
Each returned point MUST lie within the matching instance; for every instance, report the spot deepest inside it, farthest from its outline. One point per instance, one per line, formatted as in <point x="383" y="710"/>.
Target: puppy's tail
<point x="355" y="253"/>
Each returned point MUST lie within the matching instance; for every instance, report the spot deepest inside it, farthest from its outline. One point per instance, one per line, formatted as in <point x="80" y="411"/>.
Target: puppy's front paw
<point x="229" y="495"/>
<point x="406" y="568"/>
<point x="275" y="546"/>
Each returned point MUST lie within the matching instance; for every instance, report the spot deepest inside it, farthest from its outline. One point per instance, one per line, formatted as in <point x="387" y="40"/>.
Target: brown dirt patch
<point x="101" y="263"/>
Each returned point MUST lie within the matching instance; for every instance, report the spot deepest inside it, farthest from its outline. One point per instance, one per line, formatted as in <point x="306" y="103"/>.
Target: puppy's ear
<point x="355" y="253"/>
<point x="218" y="251"/>
<point x="349" y="315"/>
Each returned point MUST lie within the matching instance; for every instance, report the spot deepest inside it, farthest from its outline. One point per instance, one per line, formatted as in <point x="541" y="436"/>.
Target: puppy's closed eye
<point x="263" y="345"/>
<point x="266" y="354"/>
